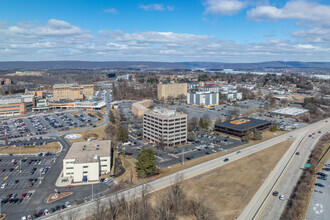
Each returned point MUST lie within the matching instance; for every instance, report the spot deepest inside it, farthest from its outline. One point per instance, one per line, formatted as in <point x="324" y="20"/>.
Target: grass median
<point x="52" y="147"/>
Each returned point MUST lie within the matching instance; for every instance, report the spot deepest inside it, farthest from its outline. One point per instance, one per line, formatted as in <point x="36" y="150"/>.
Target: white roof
<point x="291" y="111"/>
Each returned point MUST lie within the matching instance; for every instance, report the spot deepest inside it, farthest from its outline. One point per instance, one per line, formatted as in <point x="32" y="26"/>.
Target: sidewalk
<point x="65" y="181"/>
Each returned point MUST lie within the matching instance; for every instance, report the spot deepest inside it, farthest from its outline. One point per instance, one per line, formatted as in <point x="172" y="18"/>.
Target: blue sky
<point x="172" y="30"/>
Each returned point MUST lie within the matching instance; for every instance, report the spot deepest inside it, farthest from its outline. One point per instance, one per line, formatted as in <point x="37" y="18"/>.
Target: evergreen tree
<point x="122" y="134"/>
<point x="146" y="164"/>
<point x="112" y="117"/>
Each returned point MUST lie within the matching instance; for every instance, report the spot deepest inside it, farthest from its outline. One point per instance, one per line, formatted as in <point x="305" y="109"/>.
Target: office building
<point x="174" y="90"/>
<point x="139" y="108"/>
<point x="16" y="105"/>
<point x="203" y="98"/>
<point x="164" y="126"/>
<point x="72" y="91"/>
<point x="240" y="126"/>
<point x="86" y="161"/>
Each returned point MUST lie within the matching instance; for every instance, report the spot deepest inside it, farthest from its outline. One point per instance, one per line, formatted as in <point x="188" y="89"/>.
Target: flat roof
<point x="290" y="111"/>
<point x="242" y="124"/>
<point x="164" y="113"/>
<point x="91" y="149"/>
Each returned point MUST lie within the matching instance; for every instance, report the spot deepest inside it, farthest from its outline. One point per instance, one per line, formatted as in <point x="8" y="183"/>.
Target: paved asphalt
<point x="155" y="185"/>
<point x="319" y="207"/>
<point x="284" y="176"/>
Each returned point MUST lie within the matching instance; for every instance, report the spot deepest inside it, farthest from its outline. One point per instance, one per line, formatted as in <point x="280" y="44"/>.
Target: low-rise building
<point x="164" y="126"/>
<point x="86" y="161"/>
<point x="139" y="108"/>
<point x="16" y="105"/>
<point x="203" y="98"/>
<point x="240" y="126"/>
<point x="290" y="112"/>
<point x="5" y="81"/>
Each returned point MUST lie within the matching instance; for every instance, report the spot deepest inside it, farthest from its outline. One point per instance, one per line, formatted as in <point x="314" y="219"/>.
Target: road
<point x="83" y="210"/>
<point x="283" y="177"/>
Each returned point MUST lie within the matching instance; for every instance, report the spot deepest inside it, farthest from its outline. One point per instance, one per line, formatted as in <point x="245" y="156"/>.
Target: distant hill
<point x="48" y="65"/>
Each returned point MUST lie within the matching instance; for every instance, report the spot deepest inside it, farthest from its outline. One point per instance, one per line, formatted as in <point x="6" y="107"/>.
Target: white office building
<point x="86" y="161"/>
<point x="203" y="98"/>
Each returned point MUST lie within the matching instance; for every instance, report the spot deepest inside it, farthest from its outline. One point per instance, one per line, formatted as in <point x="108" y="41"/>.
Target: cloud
<point x="313" y="35"/>
<point x="157" y="7"/>
<point x="224" y="7"/>
<point x="110" y="11"/>
<point x="60" y="40"/>
<point x="311" y="12"/>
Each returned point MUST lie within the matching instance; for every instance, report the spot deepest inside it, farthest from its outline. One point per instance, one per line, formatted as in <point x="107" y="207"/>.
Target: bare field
<point x="50" y="147"/>
<point x="229" y="189"/>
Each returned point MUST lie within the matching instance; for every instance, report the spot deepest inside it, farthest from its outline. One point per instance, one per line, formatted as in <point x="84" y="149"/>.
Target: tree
<point x="146" y="164"/>
<point x="311" y="100"/>
<point x="122" y="134"/>
<point x="112" y="117"/>
<point x="273" y="128"/>
<point x="191" y="136"/>
<point x="192" y="124"/>
<point x="203" y="124"/>
<point x="232" y="113"/>
<point x="257" y="135"/>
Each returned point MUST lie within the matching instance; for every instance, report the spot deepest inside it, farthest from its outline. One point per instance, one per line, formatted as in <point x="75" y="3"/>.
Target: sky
<point x="169" y="30"/>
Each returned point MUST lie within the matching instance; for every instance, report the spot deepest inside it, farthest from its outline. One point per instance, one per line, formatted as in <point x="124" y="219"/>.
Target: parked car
<point x="225" y="160"/>
<point x="282" y="197"/>
<point x="319" y="185"/>
<point x="275" y="193"/>
<point x="69" y="186"/>
<point x="322" y="174"/>
<point x="68" y="204"/>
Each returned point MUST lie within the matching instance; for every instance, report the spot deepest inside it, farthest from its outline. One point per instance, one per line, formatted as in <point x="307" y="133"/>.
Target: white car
<point x="23" y="218"/>
<point x="4" y="185"/>
<point x="68" y="204"/>
<point x="282" y="197"/>
<point x="46" y="212"/>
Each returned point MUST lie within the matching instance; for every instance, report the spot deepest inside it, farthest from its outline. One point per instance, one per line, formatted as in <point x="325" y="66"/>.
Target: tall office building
<point x="164" y="126"/>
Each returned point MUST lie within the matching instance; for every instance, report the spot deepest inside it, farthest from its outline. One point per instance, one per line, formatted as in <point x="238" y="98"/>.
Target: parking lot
<point x="40" y="125"/>
<point x="319" y="204"/>
<point x="204" y="144"/>
<point x="215" y="113"/>
<point x="28" y="174"/>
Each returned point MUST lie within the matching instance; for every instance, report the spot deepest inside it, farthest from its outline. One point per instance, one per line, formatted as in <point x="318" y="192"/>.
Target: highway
<point x="283" y="177"/>
<point x="158" y="184"/>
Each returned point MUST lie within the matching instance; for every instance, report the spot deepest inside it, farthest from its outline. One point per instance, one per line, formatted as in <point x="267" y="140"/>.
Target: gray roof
<point x="253" y="123"/>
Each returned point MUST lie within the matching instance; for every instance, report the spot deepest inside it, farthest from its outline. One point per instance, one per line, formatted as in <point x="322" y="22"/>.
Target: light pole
<point x="20" y="161"/>
<point x="182" y="156"/>
<point x="92" y="191"/>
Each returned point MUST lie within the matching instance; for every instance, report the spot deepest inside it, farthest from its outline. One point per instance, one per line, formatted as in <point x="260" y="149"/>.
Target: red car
<point x="218" y="109"/>
<point x="23" y="195"/>
<point x="31" y="184"/>
<point x="69" y="186"/>
<point x="8" y="196"/>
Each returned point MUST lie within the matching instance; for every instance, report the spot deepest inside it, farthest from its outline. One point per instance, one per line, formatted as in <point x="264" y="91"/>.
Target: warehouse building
<point x="239" y="127"/>
<point x="203" y="98"/>
<point x="290" y="112"/>
<point x="86" y="161"/>
<point x="164" y="126"/>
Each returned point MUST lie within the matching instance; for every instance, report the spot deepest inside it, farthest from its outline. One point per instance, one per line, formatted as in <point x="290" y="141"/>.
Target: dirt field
<point x="50" y="147"/>
<point x="229" y="188"/>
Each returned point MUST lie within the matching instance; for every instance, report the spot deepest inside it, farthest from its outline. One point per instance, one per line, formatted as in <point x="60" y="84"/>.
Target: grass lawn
<point x="99" y="131"/>
<point x="50" y="147"/>
<point x="227" y="190"/>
